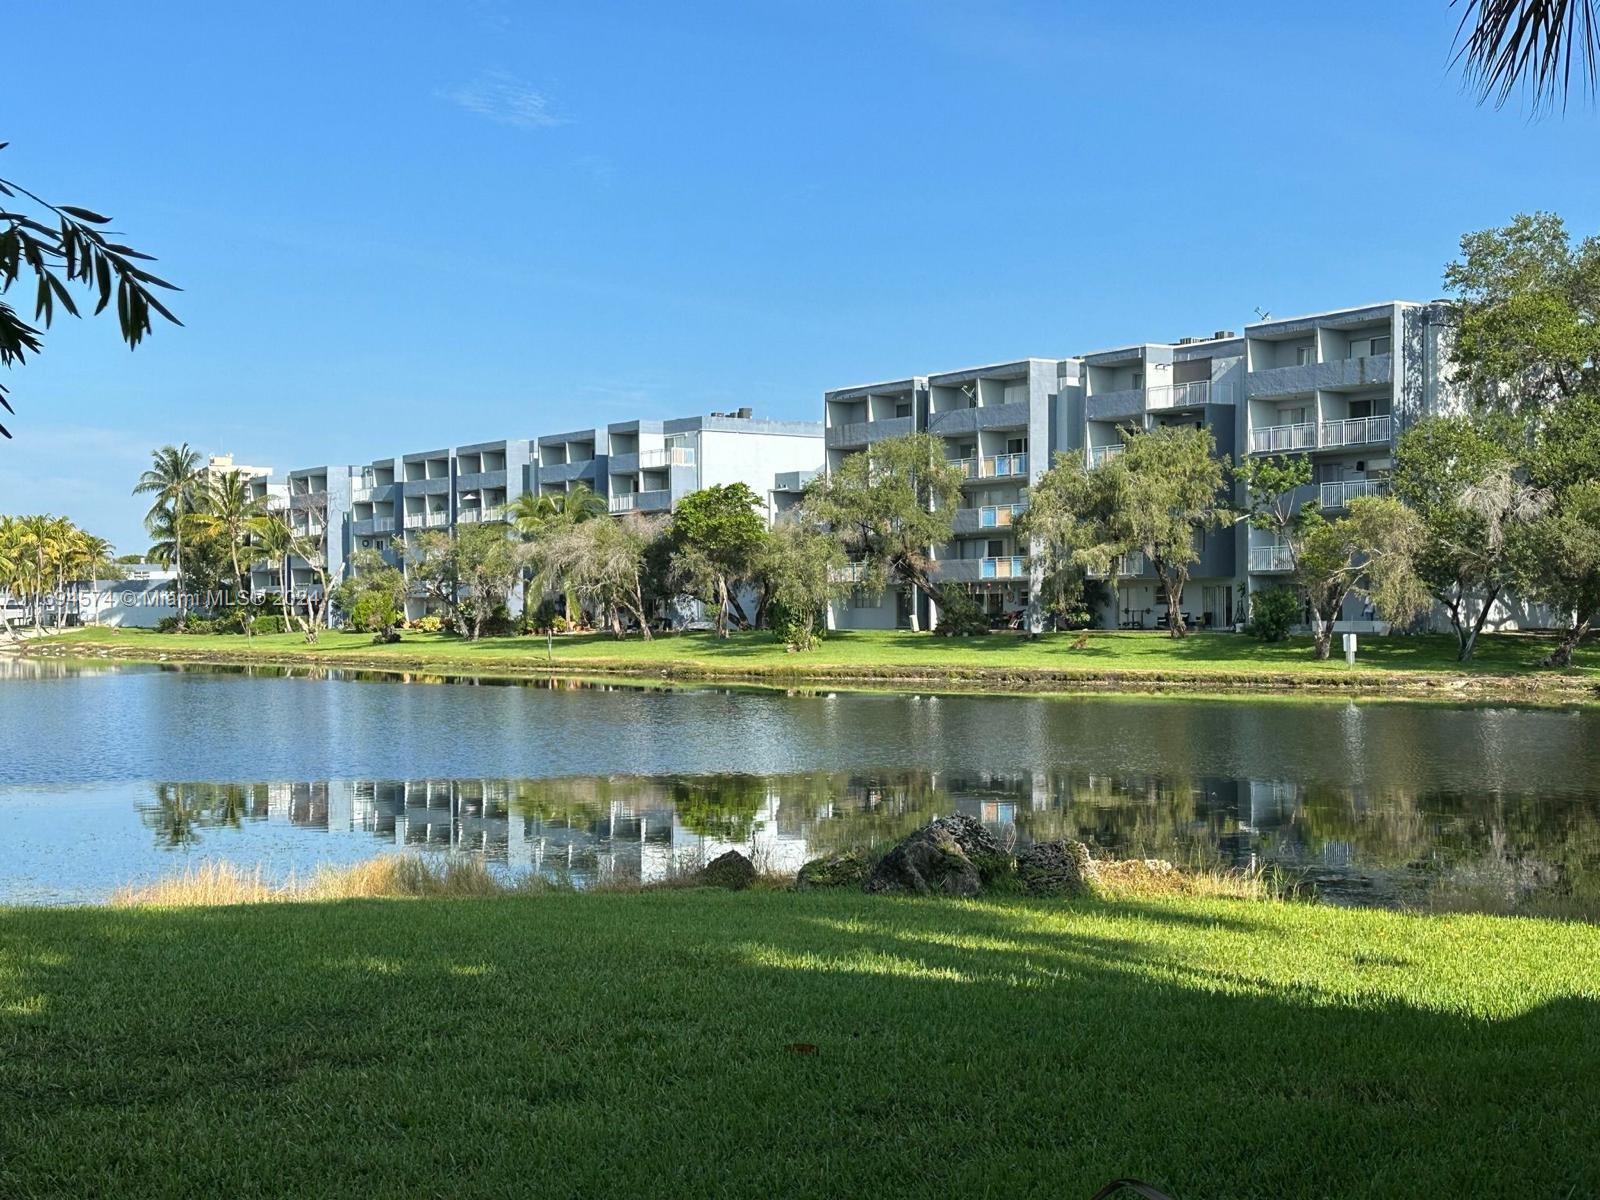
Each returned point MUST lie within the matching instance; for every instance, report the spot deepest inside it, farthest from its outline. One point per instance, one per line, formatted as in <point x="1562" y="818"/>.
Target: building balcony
<point x="1340" y="493"/>
<point x="1342" y="374"/>
<point x="1123" y="567"/>
<point x="1357" y="431"/>
<point x="672" y="456"/>
<point x="308" y="500"/>
<point x="994" y="466"/>
<point x="1012" y="566"/>
<point x="372" y="525"/>
<point x="849" y="573"/>
<point x="371" y="492"/>
<point x="1280" y="439"/>
<point x="1187" y="395"/>
<point x="957" y="421"/>
<point x="654" y="501"/>
<point x="1100" y="455"/>
<point x="477" y="481"/>
<point x="1000" y="516"/>
<point x="481" y="516"/>
<point x="427" y="520"/>
<point x="1113" y="406"/>
<point x="1270" y="560"/>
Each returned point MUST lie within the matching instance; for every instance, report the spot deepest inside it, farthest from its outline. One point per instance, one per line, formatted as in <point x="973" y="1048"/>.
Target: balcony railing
<point x="362" y="495"/>
<point x="427" y="520"/>
<point x="672" y="456"/>
<point x="478" y="516"/>
<point x="1178" y="395"/>
<point x="1275" y="439"/>
<point x="1268" y="559"/>
<point x="1131" y="563"/>
<point x="1100" y="455"/>
<point x="654" y="501"/>
<point x="995" y="466"/>
<point x="382" y="524"/>
<point x="1014" y="566"/>
<point x="849" y="573"/>
<point x="1339" y="494"/>
<point x="1000" y="516"/>
<point x="1357" y="431"/>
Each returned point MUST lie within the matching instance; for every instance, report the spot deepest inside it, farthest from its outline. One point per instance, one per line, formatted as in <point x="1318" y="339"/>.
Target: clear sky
<point x="401" y="225"/>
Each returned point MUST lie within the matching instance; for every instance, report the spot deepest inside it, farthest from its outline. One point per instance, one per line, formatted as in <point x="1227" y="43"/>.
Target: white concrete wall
<point x="754" y="458"/>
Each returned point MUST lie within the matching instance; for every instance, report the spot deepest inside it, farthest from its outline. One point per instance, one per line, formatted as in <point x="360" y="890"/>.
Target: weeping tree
<point x="64" y="248"/>
<point x="1371" y="551"/>
<point x="1069" y="523"/>
<point x="889" y="505"/>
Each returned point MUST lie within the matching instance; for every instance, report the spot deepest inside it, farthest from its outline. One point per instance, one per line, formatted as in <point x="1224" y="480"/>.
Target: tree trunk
<point x="1471" y="642"/>
<point x="1174" y="584"/>
<point x="1323" y="635"/>
<point x="1561" y="656"/>
<point x="177" y="563"/>
<point x="722" y="607"/>
<point x="239" y="597"/>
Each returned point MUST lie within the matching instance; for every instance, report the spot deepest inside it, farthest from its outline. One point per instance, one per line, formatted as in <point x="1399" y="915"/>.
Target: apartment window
<point x="1016" y="445"/>
<point x="1303" y="356"/>
<point x="1138" y="379"/>
<point x="861" y="598"/>
<point x="996" y="548"/>
<point x="1380" y="345"/>
<point x="903" y="408"/>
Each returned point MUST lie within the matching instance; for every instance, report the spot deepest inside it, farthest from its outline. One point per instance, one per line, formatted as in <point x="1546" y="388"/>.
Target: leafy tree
<point x="1538" y="43"/>
<point x="717" y="536"/>
<point x="1524" y="301"/>
<point x="606" y="563"/>
<point x="172" y="479"/>
<point x="889" y="505"/>
<point x="1462" y="478"/>
<point x="61" y="246"/>
<point x="227" y="512"/>
<point x="374" y="596"/>
<point x="1068" y="523"/>
<point x="1562" y="563"/>
<point x="1371" y="551"/>
<point x="802" y="569"/>
<point x="1271" y="484"/>
<point x="471" y="573"/>
<point x="1168" y="486"/>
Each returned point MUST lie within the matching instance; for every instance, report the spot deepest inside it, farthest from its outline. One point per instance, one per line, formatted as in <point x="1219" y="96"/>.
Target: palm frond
<point x="1549" y="46"/>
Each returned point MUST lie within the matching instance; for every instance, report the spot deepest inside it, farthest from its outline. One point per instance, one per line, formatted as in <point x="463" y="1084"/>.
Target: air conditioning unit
<point x="366" y="543"/>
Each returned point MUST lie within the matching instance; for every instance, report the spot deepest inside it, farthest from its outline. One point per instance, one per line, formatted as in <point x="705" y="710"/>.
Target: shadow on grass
<point x="694" y="1044"/>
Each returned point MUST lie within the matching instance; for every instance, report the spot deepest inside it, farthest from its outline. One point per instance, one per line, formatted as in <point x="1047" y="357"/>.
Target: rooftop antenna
<point x="1262" y="313"/>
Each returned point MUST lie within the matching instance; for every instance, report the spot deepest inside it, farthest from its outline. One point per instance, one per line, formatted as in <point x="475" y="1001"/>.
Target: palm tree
<point x="540" y="517"/>
<point x="1536" y="42"/>
<point x="10" y="566"/>
<point x="97" y="558"/>
<point x="225" y="509"/>
<point x="172" y="478"/>
<point x="35" y="545"/>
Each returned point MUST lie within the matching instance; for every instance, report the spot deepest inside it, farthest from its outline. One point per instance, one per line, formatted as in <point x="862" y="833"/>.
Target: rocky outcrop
<point x="936" y="860"/>
<point x="731" y="870"/>
<point x="1061" y="868"/>
<point x="833" y="870"/>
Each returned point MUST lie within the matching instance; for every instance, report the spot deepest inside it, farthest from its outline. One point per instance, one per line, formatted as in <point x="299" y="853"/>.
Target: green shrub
<point x="431" y="623"/>
<point x="960" y="616"/>
<point x="1272" y="612"/>
<point x="268" y="624"/>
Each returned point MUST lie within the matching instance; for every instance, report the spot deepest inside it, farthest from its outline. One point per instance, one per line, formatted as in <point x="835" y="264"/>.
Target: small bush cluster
<point x="1272" y="612"/>
<point x="960" y="616"/>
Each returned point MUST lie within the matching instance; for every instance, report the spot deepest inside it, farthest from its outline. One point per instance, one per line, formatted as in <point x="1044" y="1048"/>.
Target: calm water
<point x="120" y="775"/>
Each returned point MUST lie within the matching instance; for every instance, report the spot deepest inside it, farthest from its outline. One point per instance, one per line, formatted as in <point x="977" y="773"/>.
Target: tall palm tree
<point x="277" y="542"/>
<point x="172" y="479"/>
<point x="97" y="558"/>
<point x="540" y="517"/>
<point x="225" y="509"/>
<point x="10" y="567"/>
<point x="1540" y="43"/>
<point x="36" y="546"/>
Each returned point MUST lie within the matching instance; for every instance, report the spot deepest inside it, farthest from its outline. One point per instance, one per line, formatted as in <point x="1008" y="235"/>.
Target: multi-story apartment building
<point x="633" y="466"/>
<point x="1340" y="386"/>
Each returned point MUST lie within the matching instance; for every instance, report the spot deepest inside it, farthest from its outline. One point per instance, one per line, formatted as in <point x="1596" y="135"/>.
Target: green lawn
<point x="1200" y="656"/>
<point x="686" y="1043"/>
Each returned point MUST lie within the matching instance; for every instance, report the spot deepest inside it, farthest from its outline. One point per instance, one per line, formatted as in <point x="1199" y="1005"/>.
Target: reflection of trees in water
<point x="181" y="810"/>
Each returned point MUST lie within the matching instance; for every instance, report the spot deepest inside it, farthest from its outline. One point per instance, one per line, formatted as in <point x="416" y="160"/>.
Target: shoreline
<point x="1533" y="688"/>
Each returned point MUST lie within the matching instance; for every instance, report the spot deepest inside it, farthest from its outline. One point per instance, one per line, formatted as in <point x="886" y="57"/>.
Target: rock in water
<point x="731" y="870"/>
<point x="931" y="862"/>
<point x="832" y="870"/>
<point x="1061" y="868"/>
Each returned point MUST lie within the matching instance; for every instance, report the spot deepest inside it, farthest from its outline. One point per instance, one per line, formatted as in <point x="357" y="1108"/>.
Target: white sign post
<point x="1349" y="649"/>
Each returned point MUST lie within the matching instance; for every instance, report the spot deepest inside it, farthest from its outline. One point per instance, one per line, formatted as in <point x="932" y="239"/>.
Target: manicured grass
<point x="865" y="654"/>
<point x="686" y="1043"/>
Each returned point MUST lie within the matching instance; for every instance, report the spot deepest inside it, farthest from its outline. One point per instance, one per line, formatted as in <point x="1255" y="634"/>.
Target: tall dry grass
<point x="388" y="877"/>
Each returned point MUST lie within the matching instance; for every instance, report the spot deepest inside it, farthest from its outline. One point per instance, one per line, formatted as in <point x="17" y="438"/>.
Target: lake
<point x="116" y="775"/>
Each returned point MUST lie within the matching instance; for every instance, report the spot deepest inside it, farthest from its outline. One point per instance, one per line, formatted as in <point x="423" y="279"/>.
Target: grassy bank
<point x="1416" y="665"/>
<point x="688" y="1043"/>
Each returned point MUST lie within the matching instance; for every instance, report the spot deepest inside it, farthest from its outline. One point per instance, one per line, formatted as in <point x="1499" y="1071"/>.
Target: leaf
<point x="84" y="214"/>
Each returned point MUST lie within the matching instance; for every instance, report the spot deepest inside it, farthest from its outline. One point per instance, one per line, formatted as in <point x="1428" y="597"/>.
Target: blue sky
<point x="406" y="224"/>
